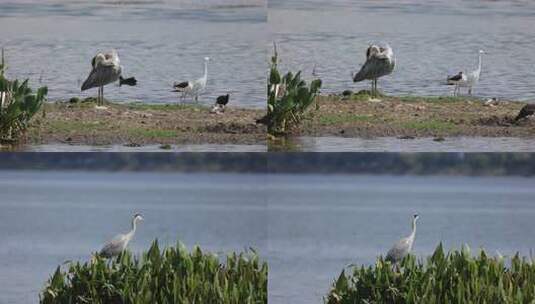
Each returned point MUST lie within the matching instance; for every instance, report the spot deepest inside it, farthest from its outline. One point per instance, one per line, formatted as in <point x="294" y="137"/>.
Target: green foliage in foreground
<point x="17" y="105"/>
<point x="288" y="98"/>
<point x="456" y="277"/>
<point x="171" y="275"/>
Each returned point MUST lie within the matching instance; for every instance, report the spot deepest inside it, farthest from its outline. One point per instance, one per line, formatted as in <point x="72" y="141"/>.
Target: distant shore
<point x="411" y="117"/>
<point x="137" y="124"/>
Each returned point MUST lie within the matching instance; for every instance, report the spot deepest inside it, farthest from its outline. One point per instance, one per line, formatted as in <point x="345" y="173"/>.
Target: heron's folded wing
<point x="373" y="68"/>
<point x="114" y="245"/>
<point x="101" y="75"/>
<point x="398" y="251"/>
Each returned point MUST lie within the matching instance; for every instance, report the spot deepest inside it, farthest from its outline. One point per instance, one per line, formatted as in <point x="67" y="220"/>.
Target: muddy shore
<point x="137" y="124"/>
<point x="411" y="117"/>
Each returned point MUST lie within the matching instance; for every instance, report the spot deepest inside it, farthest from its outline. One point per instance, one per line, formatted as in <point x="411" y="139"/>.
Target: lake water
<point x="319" y="224"/>
<point x="48" y="218"/>
<point x="308" y="227"/>
<point x="394" y="144"/>
<point x="145" y="148"/>
<point x="430" y="39"/>
<point x="51" y="42"/>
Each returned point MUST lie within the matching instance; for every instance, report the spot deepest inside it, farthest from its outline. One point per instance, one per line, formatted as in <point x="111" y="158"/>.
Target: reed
<point x="170" y="275"/>
<point x="288" y="98"/>
<point x="455" y="277"/>
<point x="17" y="105"/>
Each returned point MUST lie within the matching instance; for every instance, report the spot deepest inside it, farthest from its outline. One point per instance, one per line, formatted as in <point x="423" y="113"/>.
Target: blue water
<point x="308" y="227"/>
<point x="319" y="224"/>
<point x="51" y="42"/>
<point x="51" y="217"/>
<point x="430" y="39"/>
<point x="393" y="144"/>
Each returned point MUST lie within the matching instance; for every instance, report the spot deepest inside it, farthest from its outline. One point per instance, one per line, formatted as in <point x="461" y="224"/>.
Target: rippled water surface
<point x="159" y="42"/>
<point x="431" y="39"/>
<point x="319" y="224"/>
<point x="147" y="148"/>
<point x="51" y="217"/>
<point x="393" y="144"/>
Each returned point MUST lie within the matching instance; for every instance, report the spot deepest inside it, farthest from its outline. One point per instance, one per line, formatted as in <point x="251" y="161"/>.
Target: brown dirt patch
<point x="142" y="124"/>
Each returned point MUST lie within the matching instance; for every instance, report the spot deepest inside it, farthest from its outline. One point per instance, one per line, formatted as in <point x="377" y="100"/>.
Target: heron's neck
<point x="479" y="63"/>
<point x="413" y="233"/>
<point x="205" y="70"/>
<point x="133" y="228"/>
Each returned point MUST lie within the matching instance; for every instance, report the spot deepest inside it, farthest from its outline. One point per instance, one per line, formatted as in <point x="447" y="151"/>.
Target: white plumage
<point x="404" y="246"/>
<point x="469" y="80"/>
<point x="118" y="244"/>
<point x="193" y="88"/>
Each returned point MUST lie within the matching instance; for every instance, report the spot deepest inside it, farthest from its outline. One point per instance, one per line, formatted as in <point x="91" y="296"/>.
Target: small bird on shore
<point x="456" y="80"/>
<point x="220" y="104"/>
<point x="380" y="61"/>
<point x="131" y="81"/>
<point x="526" y="111"/>
<point x="404" y="246"/>
<point x="266" y="120"/>
<point x="119" y="243"/>
<point x="193" y="88"/>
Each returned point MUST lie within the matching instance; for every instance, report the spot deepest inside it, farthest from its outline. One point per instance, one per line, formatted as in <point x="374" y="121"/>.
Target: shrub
<point x="456" y="277"/>
<point x="172" y="275"/>
<point x="288" y="98"/>
<point x="17" y="105"/>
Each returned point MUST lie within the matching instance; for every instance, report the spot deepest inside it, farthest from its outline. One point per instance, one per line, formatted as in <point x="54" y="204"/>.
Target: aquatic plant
<point x="455" y="277"/>
<point x="17" y="105"/>
<point x="170" y="275"/>
<point x="288" y="98"/>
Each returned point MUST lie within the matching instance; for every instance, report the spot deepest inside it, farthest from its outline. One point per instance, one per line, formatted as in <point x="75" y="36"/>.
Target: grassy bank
<point x="171" y="275"/>
<point x="454" y="277"/>
<point x="142" y="124"/>
<point x="407" y="117"/>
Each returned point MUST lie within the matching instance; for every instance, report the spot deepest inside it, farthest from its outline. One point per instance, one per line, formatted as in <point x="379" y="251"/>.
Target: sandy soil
<point x="142" y="124"/>
<point x="408" y="117"/>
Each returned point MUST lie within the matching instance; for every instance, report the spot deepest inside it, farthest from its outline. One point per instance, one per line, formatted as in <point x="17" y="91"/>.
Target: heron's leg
<point x="470" y="91"/>
<point x="102" y="95"/>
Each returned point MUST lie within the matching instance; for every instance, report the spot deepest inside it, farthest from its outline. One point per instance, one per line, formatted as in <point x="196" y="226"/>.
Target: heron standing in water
<point x="119" y="243"/>
<point x="404" y="246"/>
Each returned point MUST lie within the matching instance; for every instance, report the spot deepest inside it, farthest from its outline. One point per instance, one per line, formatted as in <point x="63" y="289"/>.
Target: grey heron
<point x="106" y="69"/>
<point x="193" y="88"/>
<point x="380" y="61"/>
<point x="119" y="243"/>
<point x="404" y="246"/>
<point x="472" y="78"/>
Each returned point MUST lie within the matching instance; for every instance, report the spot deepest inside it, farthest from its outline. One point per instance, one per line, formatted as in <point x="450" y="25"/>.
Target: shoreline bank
<point x="413" y="117"/>
<point x="138" y="124"/>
